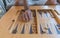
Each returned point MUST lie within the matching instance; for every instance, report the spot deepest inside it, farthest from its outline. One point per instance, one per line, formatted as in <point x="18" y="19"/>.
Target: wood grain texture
<point x="12" y="18"/>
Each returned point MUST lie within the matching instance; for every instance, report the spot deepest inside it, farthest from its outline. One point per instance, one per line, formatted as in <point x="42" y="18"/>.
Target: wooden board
<point x="46" y="19"/>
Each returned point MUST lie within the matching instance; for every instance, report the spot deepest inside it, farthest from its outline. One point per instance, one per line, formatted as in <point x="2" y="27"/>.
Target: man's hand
<point x="26" y="16"/>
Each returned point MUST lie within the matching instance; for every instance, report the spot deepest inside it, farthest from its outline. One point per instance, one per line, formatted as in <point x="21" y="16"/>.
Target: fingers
<point x="29" y="16"/>
<point x="26" y="16"/>
<point x="23" y="17"/>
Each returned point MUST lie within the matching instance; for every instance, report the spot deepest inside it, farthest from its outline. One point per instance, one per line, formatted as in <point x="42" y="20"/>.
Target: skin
<point x="16" y="2"/>
<point x="51" y="2"/>
<point x="27" y="15"/>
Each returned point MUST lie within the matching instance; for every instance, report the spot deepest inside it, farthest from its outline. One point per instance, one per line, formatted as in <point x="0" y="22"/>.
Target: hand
<point x="26" y="16"/>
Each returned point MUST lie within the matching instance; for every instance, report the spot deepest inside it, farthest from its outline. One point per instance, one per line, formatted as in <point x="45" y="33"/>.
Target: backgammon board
<point x="45" y="23"/>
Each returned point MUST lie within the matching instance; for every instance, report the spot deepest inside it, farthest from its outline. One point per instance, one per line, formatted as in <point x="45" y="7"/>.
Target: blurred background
<point x="5" y="5"/>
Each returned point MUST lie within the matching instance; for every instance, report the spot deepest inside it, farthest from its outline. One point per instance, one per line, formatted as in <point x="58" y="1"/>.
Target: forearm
<point x="51" y="2"/>
<point x="16" y="2"/>
<point x="26" y="6"/>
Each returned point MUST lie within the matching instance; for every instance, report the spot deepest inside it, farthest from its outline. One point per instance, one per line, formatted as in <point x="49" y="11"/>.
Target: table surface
<point x="6" y="21"/>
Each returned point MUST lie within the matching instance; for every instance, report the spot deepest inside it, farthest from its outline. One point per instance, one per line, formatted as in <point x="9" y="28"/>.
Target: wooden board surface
<point x="10" y="21"/>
